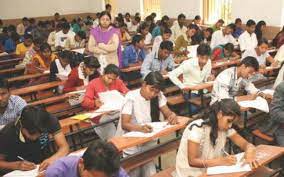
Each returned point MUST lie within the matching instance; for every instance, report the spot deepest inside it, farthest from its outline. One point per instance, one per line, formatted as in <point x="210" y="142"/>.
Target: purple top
<point x="104" y="37"/>
<point x="68" y="167"/>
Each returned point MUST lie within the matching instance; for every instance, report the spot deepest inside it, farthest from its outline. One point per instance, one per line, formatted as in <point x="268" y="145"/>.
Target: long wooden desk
<point x="34" y="89"/>
<point x="26" y="77"/>
<point x="265" y="155"/>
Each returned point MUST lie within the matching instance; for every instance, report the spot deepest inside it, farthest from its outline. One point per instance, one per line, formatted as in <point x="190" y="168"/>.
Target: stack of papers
<point x="157" y="127"/>
<point x="259" y="103"/>
<point x="112" y="101"/>
<point x="238" y="167"/>
<point x="19" y="173"/>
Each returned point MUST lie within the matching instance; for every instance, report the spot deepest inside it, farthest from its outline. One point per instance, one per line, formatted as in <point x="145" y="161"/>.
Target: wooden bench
<point x="11" y="61"/>
<point x="26" y="77"/>
<point x="32" y="90"/>
<point x="11" y="71"/>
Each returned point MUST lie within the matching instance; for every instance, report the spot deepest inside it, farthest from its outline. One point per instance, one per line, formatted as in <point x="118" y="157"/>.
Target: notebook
<point x="259" y="103"/>
<point x="19" y="173"/>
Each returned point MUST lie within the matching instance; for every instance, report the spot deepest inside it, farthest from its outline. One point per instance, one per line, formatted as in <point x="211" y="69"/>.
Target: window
<point x="217" y="9"/>
<point x="150" y="6"/>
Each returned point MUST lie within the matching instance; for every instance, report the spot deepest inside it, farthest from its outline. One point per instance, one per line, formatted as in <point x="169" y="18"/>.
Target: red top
<point x="73" y="81"/>
<point x="96" y="86"/>
<point x="217" y="54"/>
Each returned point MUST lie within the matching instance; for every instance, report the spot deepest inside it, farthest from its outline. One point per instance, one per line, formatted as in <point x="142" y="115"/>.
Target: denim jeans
<point x="192" y="108"/>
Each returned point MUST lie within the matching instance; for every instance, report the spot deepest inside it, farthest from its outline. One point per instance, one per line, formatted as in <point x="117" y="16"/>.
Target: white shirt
<point x="192" y="75"/>
<point x="157" y="42"/>
<point x="177" y="31"/>
<point x="200" y="135"/>
<point x="218" y="38"/>
<point x="148" y="39"/>
<point x="261" y="58"/>
<point x="133" y="28"/>
<point x="247" y="41"/>
<point x="60" y="38"/>
<point x="61" y="70"/>
<point x="140" y="110"/>
<point x="280" y="54"/>
<point x="227" y="85"/>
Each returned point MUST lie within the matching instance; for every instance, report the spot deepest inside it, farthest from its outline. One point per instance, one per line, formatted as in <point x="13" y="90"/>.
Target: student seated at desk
<point x="179" y="27"/>
<point x="11" y="106"/>
<point x="223" y="36"/>
<point x="12" y="39"/>
<point x="194" y="71"/>
<point x="22" y="26"/>
<point x="224" y="52"/>
<point x="163" y="24"/>
<point x="203" y="141"/>
<point x="239" y="30"/>
<point x="261" y="54"/>
<point x="144" y="31"/>
<point x="61" y="66"/>
<point x="125" y="37"/>
<point x="63" y="35"/>
<point x="247" y="39"/>
<point x="108" y="81"/>
<point x="134" y="24"/>
<point x="134" y="53"/>
<point x="218" y="25"/>
<point x="28" y="138"/>
<point x="232" y="80"/>
<point x="23" y="47"/>
<point x="160" y="60"/>
<point x="101" y="159"/>
<point x="183" y="41"/>
<point x="41" y="61"/>
<point x="82" y="74"/>
<point x="278" y="40"/>
<point x="79" y="41"/>
<point x="51" y="36"/>
<point x="31" y="53"/>
<point x="165" y="36"/>
<point x="259" y="29"/>
<point x="143" y="106"/>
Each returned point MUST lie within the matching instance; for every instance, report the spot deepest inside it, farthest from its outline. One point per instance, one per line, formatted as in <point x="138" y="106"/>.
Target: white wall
<point x="10" y="9"/>
<point x="131" y="6"/>
<point x="269" y="11"/>
<point x="173" y="8"/>
<point x="95" y="6"/>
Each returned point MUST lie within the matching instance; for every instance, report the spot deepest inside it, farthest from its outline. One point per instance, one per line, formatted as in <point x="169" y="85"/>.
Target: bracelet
<point x="204" y="164"/>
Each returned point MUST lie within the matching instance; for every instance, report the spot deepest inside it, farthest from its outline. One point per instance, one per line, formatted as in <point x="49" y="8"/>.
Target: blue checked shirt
<point x="13" y="110"/>
<point x="152" y="63"/>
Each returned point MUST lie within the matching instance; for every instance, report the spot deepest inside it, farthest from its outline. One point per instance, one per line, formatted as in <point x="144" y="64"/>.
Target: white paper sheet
<point x="259" y="103"/>
<point x="157" y="127"/>
<point x="62" y="76"/>
<point x="192" y="51"/>
<point x="238" y="167"/>
<point x="268" y="91"/>
<point x="79" y="50"/>
<point x="112" y="101"/>
<point x="19" y="173"/>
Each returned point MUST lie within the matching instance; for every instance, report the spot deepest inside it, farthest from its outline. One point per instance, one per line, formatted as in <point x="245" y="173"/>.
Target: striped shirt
<point x="13" y="110"/>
